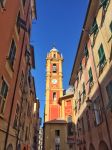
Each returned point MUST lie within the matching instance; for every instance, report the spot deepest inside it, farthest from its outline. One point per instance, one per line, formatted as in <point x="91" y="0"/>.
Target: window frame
<point x="12" y="53"/>
<point x="3" y="96"/>
<point x="54" y="68"/>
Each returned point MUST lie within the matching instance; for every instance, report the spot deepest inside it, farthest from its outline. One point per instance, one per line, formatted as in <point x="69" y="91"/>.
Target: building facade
<point x="17" y="92"/>
<point x="92" y="80"/>
<point x="40" y="143"/>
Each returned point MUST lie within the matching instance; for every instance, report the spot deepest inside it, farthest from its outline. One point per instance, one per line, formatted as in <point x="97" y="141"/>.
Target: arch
<point x="84" y="148"/>
<point x="24" y="148"/>
<point x="91" y="147"/>
<point x="10" y="147"/>
<point x="103" y="146"/>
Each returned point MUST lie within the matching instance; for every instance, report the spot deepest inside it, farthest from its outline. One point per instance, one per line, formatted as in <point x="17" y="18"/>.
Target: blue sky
<point x="59" y="23"/>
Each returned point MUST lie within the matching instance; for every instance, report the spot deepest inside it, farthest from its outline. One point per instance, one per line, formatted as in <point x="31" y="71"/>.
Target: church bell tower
<point x="54" y="88"/>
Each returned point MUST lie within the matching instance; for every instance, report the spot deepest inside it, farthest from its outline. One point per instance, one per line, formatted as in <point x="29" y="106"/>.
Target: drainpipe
<point x="99" y="86"/>
<point x="12" y="103"/>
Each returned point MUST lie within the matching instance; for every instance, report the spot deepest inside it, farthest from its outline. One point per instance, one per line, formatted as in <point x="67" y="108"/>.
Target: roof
<point x="54" y="50"/>
<point x="56" y="121"/>
<point x="66" y="96"/>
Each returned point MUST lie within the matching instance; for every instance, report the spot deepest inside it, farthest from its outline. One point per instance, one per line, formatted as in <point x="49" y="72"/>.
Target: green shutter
<point x="90" y="75"/>
<point x="111" y="26"/>
<point x="86" y="51"/>
<point x="104" y="3"/>
<point x="83" y="87"/>
<point x="101" y="54"/>
<point x="94" y="27"/>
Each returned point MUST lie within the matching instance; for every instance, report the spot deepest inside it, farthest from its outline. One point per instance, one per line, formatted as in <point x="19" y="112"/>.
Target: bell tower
<point x="54" y="88"/>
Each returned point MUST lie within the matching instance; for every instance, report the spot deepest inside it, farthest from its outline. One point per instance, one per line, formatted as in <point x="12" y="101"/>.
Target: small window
<point x="57" y="132"/>
<point x="94" y="27"/>
<point x="54" y="68"/>
<point x="54" y="96"/>
<point x="80" y="67"/>
<point x="17" y="22"/>
<point x="23" y="2"/>
<point x="2" y="5"/>
<point x="3" y="95"/>
<point x="111" y="26"/>
<point x="54" y="56"/>
<point x="90" y="75"/>
<point x="102" y="58"/>
<point x="104" y="3"/>
<point x="84" y="90"/>
<point x="12" y="53"/>
<point x="57" y="139"/>
<point x="97" y="111"/>
<point x="86" y="52"/>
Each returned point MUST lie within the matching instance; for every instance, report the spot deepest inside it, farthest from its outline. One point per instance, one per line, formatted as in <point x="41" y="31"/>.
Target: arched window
<point x="54" y="56"/>
<point x="91" y="147"/>
<point x="54" y="96"/>
<point x="103" y="146"/>
<point x="54" y="68"/>
<point x="10" y="147"/>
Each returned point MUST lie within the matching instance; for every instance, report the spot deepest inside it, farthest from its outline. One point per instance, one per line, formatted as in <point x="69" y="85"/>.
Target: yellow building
<point x="92" y="79"/>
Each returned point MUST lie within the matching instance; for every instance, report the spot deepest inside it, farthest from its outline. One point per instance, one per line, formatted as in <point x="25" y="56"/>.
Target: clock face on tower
<point x="54" y="81"/>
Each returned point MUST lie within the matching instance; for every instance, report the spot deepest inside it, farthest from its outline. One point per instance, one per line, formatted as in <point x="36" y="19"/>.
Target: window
<point x="54" y="68"/>
<point x="90" y="76"/>
<point x="54" y="96"/>
<point x="104" y="3"/>
<point x="57" y="139"/>
<point x="94" y="27"/>
<point x="86" y="51"/>
<point x="109" y="93"/>
<point x="16" y="117"/>
<point x="12" y="54"/>
<point x="97" y="111"/>
<point x="23" y="2"/>
<point x="3" y="95"/>
<point x="102" y="58"/>
<point x="70" y="126"/>
<point x="111" y="26"/>
<point x="94" y="30"/>
<point x="2" y="5"/>
<point x="80" y="68"/>
<point x="84" y="91"/>
<point x="57" y="132"/>
<point x="54" y="56"/>
<point x="17" y="23"/>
